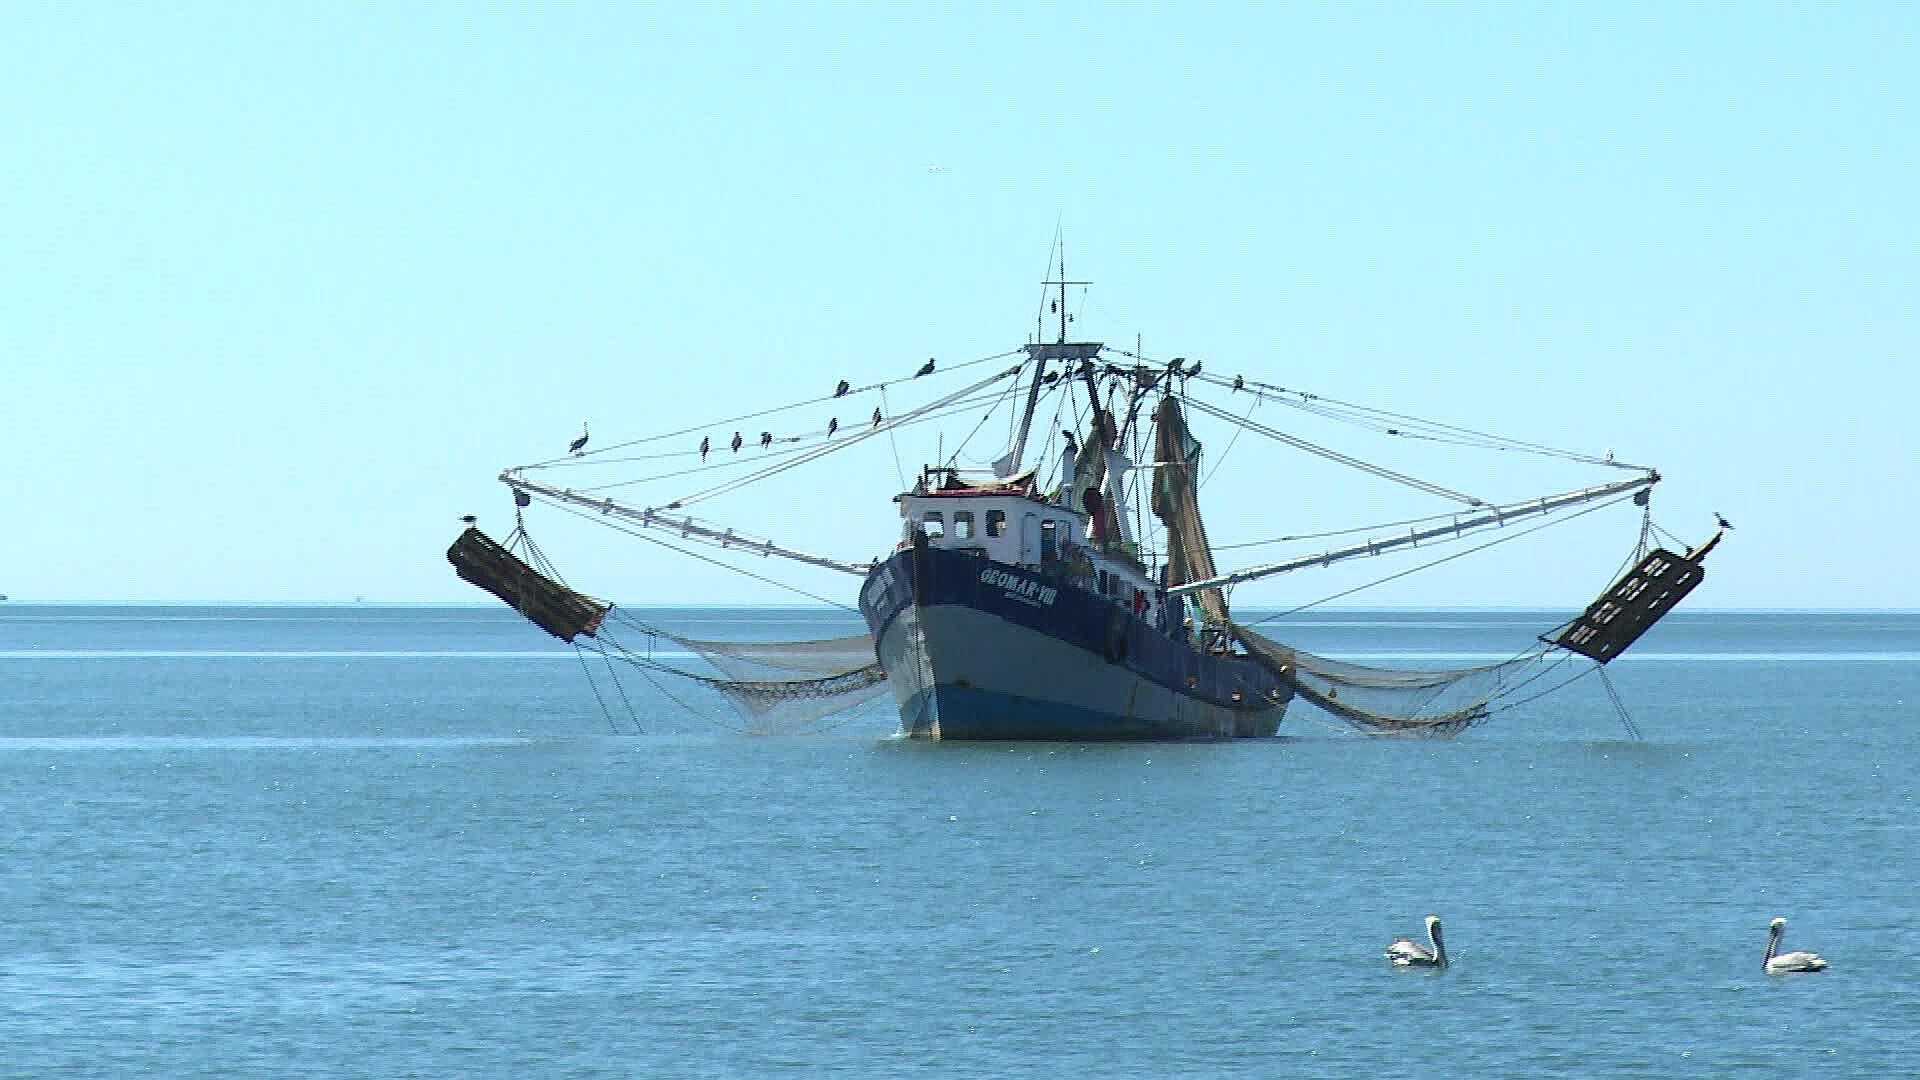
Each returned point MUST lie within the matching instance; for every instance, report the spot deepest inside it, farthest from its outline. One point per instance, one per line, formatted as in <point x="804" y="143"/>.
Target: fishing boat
<point x="1067" y="590"/>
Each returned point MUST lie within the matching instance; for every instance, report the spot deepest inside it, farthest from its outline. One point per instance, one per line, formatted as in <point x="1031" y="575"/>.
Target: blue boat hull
<point x="980" y="650"/>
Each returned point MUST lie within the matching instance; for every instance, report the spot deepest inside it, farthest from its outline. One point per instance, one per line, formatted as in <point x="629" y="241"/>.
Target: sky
<point x="283" y="287"/>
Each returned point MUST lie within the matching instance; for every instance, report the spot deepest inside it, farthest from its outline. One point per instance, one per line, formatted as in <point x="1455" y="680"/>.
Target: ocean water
<point x="408" y="841"/>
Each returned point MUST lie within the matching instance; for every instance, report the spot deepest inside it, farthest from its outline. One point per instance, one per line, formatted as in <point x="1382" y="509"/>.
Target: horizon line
<point x="827" y="608"/>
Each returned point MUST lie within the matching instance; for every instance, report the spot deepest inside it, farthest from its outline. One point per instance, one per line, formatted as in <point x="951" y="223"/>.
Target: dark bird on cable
<point x="1239" y="383"/>
<point x="574" y="446"/>
<point x="925" y="369"/>
<point x="1193" y="372"/>
<point x="1175" y="366"/>
<point x="876" y="418"/>
<point x="1723" y="522"/>
<point x="469" y="518"/>
<point x="833" y="425"/>
<point x="736" y="442"/>
<point x="706" y="444"/>
<point x="841" y="390"/>
<point x="766" y="439"/>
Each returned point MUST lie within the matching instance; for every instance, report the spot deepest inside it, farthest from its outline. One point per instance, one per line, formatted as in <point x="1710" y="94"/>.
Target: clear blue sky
<point x="283" y="286"/>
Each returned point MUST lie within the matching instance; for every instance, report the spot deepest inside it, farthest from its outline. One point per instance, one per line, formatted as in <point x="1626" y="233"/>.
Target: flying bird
<point x="766" y="439"/>
<point x="876" y="418"/>
<point x="706" y="444"/>
<point x="925" y="369"/>
<point x="841" y="390"/>
<point x="736" y="442"/>
<point x="1724" y="523"/>
<point x="1793" y="963"/>
<point x="575" y="445"/>
<point x="833" y="425"/>
<point x="1404" y="953"/>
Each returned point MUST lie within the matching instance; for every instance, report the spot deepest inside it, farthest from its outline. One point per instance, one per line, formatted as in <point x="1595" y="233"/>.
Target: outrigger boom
<point x="686" y="526"/>
<point x="1498" y="515"/>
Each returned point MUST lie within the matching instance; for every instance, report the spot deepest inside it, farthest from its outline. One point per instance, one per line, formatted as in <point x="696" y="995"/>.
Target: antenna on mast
<point x="1063" y="283"/>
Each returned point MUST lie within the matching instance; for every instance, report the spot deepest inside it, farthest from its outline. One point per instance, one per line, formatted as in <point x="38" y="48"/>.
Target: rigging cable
<point x="1444" y="559"/>
<point x="786" y="453"/>
<point x="760" y="413"/>
<point x="1222" y="459"/>
<point x="643" y="535"/>
<point x="1329" y="408"/>
<point x="999" y="399"/>
<point x="894" y="443"/>
<point x="854" y="440"/>
<point x="1619" y="706"/>
<point x="1336" y="456"/>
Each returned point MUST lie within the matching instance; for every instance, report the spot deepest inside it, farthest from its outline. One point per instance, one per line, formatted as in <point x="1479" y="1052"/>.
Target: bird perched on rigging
<point x="706" y="444"/>
<point x="876" y="418"/>
<point x="925" y="369"/>
<point x="1193" y="372"/>
<point x="469" y="519"/>
<point x="841" y="390"/>
<point x="574" y="446"/>
<point x="833" y="425"/>
<point x="766" y="439"/>
<point x="1239" y="382"/>
<point x="1723" y="522"/>
<point x="736" y="442"/>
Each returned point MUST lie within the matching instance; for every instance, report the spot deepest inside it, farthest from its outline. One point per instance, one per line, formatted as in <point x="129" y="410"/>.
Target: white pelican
<point x="1404" y="953"/>
<point x="1779" y="963"/>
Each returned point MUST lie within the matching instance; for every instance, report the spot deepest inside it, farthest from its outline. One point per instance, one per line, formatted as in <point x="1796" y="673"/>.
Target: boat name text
<point x="1020" y="588"/>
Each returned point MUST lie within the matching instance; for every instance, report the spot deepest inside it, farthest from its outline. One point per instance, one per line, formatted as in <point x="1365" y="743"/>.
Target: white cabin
<point x="1007" y="522"/>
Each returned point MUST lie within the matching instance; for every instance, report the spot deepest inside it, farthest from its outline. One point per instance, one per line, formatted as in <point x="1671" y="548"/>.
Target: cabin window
<point x="962" y="525"/>
<point x="933" y="524"/>
<point x="996" y="522"/>
<point x="1049" y="541"/>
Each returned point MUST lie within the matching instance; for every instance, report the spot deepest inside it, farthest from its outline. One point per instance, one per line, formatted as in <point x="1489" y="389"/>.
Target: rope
<point x="1327" y="407"/>
<point x="1618" y="705"/>
<point x="999" y="400"/>
<point x="644" y="535"/>
<point x="1445" y="559"/>
<point x="763" y="412"/>
<point x="581" y="652"/>
<point x="1336" y="456"/>
<point x="632" y="714"/>
<point x="810" y="442"/>
<point x="855" y="440"/>
<point x="1222" y="459"/>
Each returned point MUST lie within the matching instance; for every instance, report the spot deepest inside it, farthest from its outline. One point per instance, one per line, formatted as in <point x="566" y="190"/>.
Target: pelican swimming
<point x="1779" y="963"/>
<point x="1404" y="953"/>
